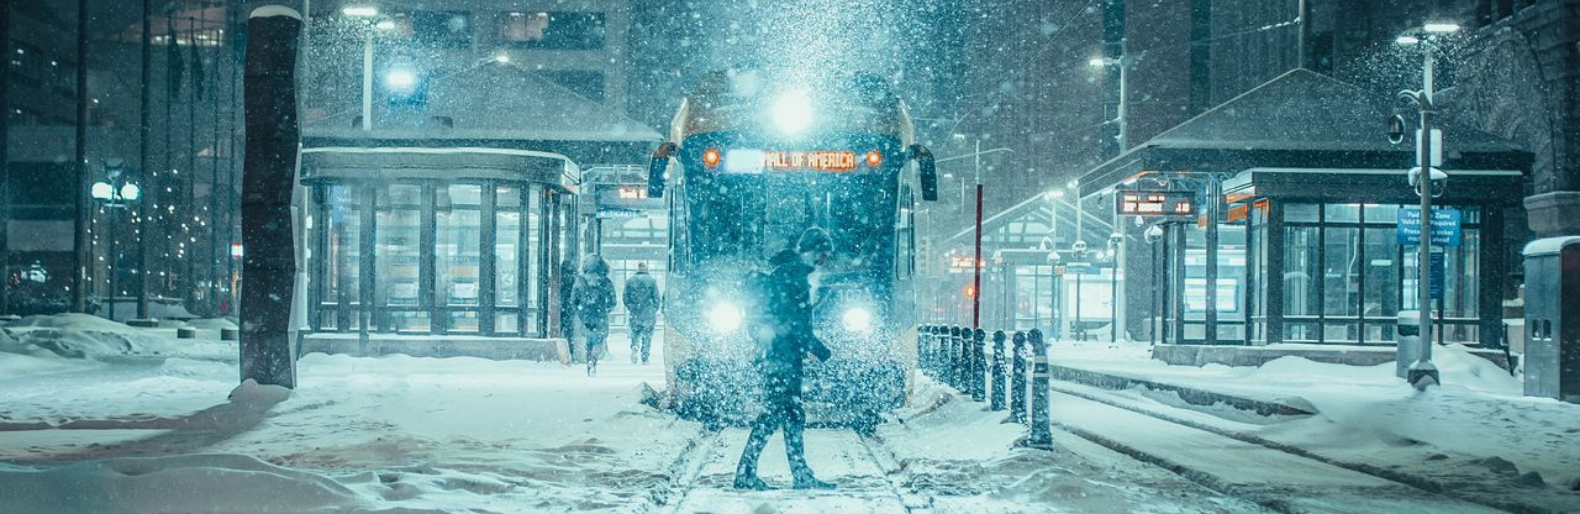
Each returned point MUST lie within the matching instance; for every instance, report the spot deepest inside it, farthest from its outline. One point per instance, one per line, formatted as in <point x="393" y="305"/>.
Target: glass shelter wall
<point x="1315" y="273"/>
<point x="445" y="258"/>
<point x="1346" y="277"/>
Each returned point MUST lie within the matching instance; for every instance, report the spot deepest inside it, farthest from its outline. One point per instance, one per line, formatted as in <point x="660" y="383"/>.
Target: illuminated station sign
<point x="1156" y="203"/>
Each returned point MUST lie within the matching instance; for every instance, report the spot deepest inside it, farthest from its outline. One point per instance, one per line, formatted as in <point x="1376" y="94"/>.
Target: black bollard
<point x="964" y="372"/>
<point x="932" y="351"/>
<point x="952" y="357"/>
<point x="1041" y="419"/>
<point x="996" y="401"/>
<point x="1017" y="382"/>
<point x="979" y="366"/>
<point x="921" y="348"/>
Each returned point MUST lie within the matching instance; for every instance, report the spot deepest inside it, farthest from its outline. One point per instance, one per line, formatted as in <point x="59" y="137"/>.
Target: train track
<point x="866" y="473"/>
<point x="1282" y="478"/>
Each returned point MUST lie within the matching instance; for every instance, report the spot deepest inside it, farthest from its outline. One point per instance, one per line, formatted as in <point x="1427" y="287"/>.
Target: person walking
<point x="594" y="294"/>
<point x="789" y="303"/>
<point x="641" y="304"/>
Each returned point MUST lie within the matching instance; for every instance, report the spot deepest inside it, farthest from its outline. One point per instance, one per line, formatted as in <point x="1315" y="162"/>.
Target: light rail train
<point x="759" y="156"/>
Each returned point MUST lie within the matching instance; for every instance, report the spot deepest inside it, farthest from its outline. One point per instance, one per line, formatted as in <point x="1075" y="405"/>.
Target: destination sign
<point x="1156" y="203"/>
<point x="820" y="160"/>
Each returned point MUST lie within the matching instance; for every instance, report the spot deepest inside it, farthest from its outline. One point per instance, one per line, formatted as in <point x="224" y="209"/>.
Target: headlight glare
<point x="726" y="317"/>
<point x="857" y="319"/>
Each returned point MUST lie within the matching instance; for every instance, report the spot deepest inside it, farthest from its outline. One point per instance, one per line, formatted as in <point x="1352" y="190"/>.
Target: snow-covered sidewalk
<point x="1476" y="433"/>
<point x="393" y="434"/>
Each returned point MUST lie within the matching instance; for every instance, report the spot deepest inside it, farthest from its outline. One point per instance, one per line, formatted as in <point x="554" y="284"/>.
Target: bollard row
<point x="1013" y="372"/>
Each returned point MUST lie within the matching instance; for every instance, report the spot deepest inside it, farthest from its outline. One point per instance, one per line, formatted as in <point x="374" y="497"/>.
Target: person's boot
<point x="746" y="479"/>
<point x="807" y="481"/>
<point x="633" y="355"/>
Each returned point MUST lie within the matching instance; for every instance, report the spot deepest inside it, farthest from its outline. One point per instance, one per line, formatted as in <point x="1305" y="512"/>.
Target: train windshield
<point x="753" y="217"/>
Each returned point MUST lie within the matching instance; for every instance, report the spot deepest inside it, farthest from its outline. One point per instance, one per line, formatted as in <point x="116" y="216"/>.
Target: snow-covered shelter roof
<point x="1025" y="225"/>
<point x="386" y="163"/>
<point x="493" y="105"/>
<point x="1301" y="119"/>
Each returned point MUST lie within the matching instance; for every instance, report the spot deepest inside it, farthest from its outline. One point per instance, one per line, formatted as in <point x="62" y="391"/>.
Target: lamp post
<point x="1422" y="373"/>
<point x="1118" y="65"/>
<point x="116" y="193"/>
<point x="1054" y="196"/>
<point x="369" y="15"/>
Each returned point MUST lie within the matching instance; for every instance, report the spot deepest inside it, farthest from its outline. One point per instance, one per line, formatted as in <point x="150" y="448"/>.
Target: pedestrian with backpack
<point x="594" y="298"/>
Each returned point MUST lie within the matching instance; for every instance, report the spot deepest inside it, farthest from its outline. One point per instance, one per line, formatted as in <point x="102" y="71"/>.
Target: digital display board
<point x="1156" y="203"/>
<point x="818" y="160"/>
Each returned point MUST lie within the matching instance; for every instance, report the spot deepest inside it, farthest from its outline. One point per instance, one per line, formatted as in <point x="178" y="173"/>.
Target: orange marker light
<point x="710" y="157"/>
<point x="874" y="159"/>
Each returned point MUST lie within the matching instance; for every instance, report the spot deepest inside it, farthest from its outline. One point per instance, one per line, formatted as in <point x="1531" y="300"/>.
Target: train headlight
<point x="857" y="319"/>
<point x="726" y="317"/>
<point x="793" y="112"/>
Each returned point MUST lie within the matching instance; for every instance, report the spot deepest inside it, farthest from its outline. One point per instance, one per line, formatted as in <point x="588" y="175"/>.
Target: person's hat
<point x="814" y="240"/>
<point x="641" y="266"/>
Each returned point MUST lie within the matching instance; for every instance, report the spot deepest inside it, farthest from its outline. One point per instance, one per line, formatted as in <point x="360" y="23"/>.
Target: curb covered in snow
<point x="1190" y="395"/>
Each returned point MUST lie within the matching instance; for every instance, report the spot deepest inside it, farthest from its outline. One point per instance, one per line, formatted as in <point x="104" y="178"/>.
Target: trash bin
<point x="1409" y="340"/>
<point x="1552" y="318"/>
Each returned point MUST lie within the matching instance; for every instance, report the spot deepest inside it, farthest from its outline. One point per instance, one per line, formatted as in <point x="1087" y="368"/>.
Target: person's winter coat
<point x="569" y="276"/>
<point x="790" y="307"/>
<point x="594" y="292"/>
<point x="641" y="299"/>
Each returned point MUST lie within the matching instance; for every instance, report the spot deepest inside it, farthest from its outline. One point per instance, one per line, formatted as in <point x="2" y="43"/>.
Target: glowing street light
<point x="360" y="11"/>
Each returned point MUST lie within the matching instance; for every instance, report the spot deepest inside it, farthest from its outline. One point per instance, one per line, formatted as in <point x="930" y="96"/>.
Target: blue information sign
<point x="1445" y="226"/>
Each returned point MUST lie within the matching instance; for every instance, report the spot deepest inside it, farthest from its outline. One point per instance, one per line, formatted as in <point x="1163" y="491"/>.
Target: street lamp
<point x="116" y="193"/>
<point x="370" y="16"/>
<point x="1422" y="373"/>
<point x="1102" y="64"/>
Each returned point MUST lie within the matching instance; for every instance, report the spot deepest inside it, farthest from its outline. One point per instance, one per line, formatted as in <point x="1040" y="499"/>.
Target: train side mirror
<point x="927" y="172"/>
<point x="657" y="168"/>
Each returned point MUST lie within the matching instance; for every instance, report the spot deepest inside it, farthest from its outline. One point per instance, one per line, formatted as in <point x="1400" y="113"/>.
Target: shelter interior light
<point x="1441" y="28"/>
<point x="360" y="11"/>
<point x="1407" y="40"/>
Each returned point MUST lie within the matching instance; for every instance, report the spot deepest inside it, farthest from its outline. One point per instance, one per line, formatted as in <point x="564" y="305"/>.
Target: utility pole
<point x="143" y="130"/>
<point x="5" y="166"/>
<point x="79" y="240"/>
<point x="976" y="265"/>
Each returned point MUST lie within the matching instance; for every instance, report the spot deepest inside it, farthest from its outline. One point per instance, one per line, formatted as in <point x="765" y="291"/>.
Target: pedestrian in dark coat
<point x="790" y="307"/>
<point x="595" y="298"/>
<point x="641" y="303"/>
<point x="568" y="277"/>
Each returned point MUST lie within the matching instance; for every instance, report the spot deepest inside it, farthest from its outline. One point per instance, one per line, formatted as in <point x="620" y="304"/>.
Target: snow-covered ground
<point x="98" y="417"/>
<point x="1477" y="432"/>
<point x="359" y="434"/>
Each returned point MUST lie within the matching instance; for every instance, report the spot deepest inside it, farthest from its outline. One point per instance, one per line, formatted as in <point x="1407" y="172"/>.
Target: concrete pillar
<point x="273" y="134"/>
